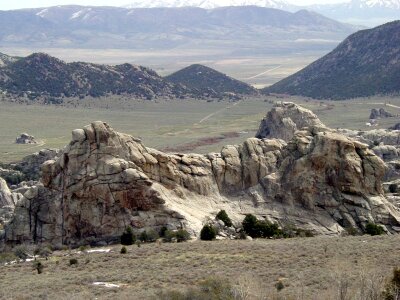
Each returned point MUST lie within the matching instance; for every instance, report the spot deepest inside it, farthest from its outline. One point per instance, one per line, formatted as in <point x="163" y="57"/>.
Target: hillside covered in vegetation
<point x="367" y="63"/>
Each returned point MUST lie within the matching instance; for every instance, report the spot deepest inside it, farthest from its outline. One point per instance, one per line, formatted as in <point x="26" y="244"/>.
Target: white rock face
<point x="285" y="119"/>
<point x="5" y="194"/>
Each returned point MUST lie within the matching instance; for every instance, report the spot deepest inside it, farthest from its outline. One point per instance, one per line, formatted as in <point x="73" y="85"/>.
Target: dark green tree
<point x="208" y="233"/>
<point x="223" y="216"/>
<point x="127" y="237"/>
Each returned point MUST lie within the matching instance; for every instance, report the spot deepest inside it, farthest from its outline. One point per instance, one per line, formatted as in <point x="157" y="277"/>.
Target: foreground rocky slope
<point x="103" y="180"/>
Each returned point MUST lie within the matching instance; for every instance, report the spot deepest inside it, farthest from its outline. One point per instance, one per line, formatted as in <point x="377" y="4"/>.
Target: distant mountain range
<point x="210" y="4"/>
<point x="247" y="29"/>
<point x="365" y="12"/>
<point x="41" y="76"/>
<point x="365" y="64"/>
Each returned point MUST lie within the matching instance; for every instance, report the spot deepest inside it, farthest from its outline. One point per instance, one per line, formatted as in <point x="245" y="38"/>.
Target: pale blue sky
<point x="16" y="4"/>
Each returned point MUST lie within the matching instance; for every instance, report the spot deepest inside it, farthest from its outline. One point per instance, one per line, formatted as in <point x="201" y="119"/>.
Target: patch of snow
<point x="43" y="12"/>
<point x="98" y="251"/>
<point x="78" y="14"/>
<point x="106" y="284"/>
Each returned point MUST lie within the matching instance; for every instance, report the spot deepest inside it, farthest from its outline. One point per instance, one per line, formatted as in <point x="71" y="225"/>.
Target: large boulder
<point x="326" y="171"/>
<point x="25" y="138"/>
<point x="285" y="119"/>
<point x="6" y="198"/>
<point x="380" y="113"/>
<point x="104" y="181"/>
<point x="7" y="202"/>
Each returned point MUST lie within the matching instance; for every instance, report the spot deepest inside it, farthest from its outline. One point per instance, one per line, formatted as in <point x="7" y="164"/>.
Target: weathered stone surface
<point x="25" y="138"/>
<point x="333" y="173"/>
<point x="103" y="181"/>
<point x="395" y="127"/>
<point x="30" y="166"/>
<point x="285" y="119"/>
<point x="5" y="194"/>
<point x="379" y="114"/>
<point x="385" y="144"/>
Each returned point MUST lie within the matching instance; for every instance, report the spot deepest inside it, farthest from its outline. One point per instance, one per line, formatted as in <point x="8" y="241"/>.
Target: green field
<point x="160" y="125"/>
<point x="170" y="124"/>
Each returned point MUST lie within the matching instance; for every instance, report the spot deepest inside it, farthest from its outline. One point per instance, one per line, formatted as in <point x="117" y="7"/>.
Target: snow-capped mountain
<point x="361" y="12"/>
<point x="210" y="4"/>
<point x="367" y="4"/>
<point x="366" y="12"/>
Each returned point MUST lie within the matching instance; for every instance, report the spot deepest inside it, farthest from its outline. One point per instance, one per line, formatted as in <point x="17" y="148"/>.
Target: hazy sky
<point x="15" y="4"/>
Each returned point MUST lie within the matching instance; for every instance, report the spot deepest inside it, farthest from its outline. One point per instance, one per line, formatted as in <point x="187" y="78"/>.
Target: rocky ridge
<point x="40" y="74"/>
<point x="319" y="180"/>
<point x="210" y="83"/>
<point x="364" y="64"/>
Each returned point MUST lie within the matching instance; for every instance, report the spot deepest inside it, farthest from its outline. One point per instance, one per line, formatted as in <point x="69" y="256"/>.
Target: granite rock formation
<point x="6" y="198"/>
<point x="25" y="138"/>
<point x="380" y="114"/>
<point x="285" y="119"/>
<point x="103" y="181"/>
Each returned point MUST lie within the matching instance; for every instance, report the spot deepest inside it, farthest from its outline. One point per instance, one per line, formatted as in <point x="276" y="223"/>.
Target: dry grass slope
<point x="309" y="268"/>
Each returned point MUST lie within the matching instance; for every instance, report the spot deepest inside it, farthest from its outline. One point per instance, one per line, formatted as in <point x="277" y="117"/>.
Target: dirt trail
<point x="217" y="112"/>
<point x="258" y="75"/>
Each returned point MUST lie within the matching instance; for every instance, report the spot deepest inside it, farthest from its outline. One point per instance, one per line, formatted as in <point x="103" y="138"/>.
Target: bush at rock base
<point x="148" y="236"/>
<point x="73" y="262"/>
<point x="249" y="224"/>
<point x="38" y="266"/>
<point x="179" y="236"/>
<point x="260" y="229"/>
<point x="128" y="238"/>
<point x="223" y="216"/>
<point x="208" y="233"/>
<point x="265" y="229"/>
<point x="374" y="229"/>
<point x="21" y="252"/>
<point x="43" y="251"/>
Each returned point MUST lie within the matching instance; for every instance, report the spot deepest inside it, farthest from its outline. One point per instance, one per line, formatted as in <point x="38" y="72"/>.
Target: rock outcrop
<point x="6" y="198"/>
<point x="25" y="138"/>
<point x="395" y="127"/>
<point x="7" y="202"/>
<point x="104" y="181"/>
<point x="380" y="114"/>
<point x="28" y="169"/>
<point x="285" y="119"/>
